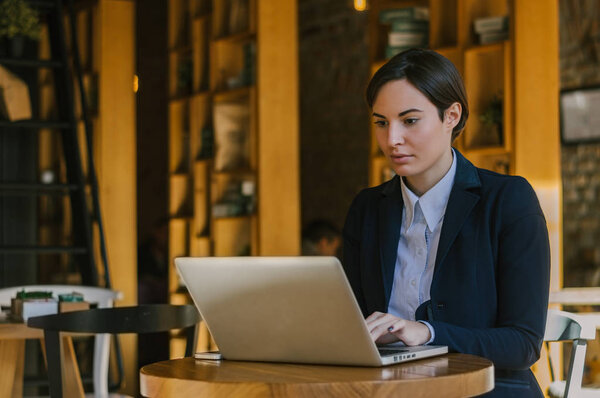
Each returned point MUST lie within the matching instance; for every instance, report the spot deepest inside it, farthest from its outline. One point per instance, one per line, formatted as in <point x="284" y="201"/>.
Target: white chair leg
<point x="575" y="376"/>
<point x="101" y="354"/>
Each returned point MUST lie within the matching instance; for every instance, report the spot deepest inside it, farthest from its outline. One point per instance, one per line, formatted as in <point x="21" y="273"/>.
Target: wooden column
<point x="536" y="113"/>
<point x="537" y="131"/>
<point x="115" y="154"/>
<point x="278" y="126"/>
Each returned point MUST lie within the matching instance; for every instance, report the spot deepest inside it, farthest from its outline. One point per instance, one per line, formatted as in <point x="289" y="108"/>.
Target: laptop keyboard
<point x="390" y="351"/>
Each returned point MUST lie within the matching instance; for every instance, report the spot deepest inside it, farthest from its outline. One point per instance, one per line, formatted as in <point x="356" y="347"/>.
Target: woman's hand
<point x="387" y="328"/>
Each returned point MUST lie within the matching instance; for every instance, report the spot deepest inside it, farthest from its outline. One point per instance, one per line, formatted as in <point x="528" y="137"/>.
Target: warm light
<point x="135" y="83"/>
<point x="360" y="5"/>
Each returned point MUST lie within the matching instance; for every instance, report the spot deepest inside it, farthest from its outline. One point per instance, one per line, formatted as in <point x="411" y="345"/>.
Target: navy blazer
<point x="489" y="294"/>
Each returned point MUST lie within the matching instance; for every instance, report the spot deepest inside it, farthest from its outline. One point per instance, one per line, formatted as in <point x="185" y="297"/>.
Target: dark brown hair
<point x="430" y="73"/>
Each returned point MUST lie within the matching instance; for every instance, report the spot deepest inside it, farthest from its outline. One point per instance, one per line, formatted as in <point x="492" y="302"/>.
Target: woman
<point x="446" y="253"/>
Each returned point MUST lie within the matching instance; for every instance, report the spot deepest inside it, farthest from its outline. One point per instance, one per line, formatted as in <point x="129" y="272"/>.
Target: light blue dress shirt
<point x="422" y="219"/>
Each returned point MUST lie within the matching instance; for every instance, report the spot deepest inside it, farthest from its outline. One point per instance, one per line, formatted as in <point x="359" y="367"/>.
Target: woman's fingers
<point x="411" y="333"/>
<point x="374" y="316"/>
<point x="386" y="328"/>
<point x="375" y="320"/>
<point x="378" y="324"/>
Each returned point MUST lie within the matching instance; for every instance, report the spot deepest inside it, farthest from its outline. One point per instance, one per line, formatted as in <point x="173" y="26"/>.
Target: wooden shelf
<point x="234" y="94"/>
<point x="233" y="218"/>
<point x="190" y="96"/>
<point x="235" y="173"/>
<point x="207" y="117"/>
<point x="235" y="39"/>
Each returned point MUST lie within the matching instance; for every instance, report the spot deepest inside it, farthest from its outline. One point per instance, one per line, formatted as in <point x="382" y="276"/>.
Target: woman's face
<point x="411" y="135"/>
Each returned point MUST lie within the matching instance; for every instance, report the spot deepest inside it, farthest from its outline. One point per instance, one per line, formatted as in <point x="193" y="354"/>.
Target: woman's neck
<point x="421" y="183"/>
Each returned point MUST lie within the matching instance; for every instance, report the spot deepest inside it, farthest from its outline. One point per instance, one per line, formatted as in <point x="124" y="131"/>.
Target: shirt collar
<point x="433" y="202"/>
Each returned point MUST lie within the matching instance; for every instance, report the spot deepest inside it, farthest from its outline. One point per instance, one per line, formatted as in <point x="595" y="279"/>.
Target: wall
<point x="580" y="66"/>
<point x="333" y="113"/>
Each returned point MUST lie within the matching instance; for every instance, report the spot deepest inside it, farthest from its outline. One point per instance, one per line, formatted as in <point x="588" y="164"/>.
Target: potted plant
<point x="18" y="22"/>
<point x="491" y="120"/>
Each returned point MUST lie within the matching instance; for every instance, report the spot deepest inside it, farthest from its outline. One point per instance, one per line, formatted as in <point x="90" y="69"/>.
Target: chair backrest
<point x="139" y="319"/>
<point x="578" y="328"/>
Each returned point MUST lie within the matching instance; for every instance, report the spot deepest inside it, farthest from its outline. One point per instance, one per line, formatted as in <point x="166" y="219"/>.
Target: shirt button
<point x="420" y="252"/>
<point x="413" y="282"/>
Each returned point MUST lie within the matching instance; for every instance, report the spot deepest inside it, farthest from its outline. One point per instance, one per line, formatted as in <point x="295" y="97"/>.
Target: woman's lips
<point x="400" y="158"/>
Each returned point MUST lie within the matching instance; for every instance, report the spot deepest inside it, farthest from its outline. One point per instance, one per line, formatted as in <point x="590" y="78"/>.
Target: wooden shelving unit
<point x="223" y="132"/>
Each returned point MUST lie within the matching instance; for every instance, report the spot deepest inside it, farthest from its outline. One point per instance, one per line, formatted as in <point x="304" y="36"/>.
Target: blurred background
<point x="239" y="127"/>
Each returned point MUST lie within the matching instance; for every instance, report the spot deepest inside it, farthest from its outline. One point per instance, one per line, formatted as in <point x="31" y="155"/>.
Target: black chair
<point x="139" y="319"/>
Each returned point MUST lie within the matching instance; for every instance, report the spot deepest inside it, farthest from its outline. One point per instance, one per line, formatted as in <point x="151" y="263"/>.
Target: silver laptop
<point x="286" y="309"/>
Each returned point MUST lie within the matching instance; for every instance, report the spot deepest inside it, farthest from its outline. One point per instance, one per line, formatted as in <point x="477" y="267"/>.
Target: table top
<point x="457" y="375"/>
<point x="10" y="329"/>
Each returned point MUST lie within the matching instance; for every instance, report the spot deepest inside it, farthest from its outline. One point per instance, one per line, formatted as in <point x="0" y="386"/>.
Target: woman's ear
<point x="452" y="115"/>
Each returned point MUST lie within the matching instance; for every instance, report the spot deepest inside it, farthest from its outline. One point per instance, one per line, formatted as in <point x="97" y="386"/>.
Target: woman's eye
<point x="410" y="120"/>
<point x="380" y="123"/>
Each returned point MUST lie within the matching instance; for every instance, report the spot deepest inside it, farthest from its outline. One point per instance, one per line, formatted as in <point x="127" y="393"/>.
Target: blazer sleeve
<point x="351" y="249"/>
<point x="522" y="283"/>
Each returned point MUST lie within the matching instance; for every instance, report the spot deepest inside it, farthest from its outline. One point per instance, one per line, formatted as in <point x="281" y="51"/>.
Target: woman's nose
<point x="396" y="135"/>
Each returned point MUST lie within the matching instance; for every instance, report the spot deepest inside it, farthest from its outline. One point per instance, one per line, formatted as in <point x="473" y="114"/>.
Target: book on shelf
<point x="492" y="37"/>
<point x="409" y="25"/>
<point x="415" y="39"/>
<point x="491" y="24"/>
<point x="411" y="13"/>
<point x="409" y="28"/>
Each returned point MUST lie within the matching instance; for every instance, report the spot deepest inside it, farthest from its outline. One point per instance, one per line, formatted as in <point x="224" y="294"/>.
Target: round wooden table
<point x="451" y="375"/>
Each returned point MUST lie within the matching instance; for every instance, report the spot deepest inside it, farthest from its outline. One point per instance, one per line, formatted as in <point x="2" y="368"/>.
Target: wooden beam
<point x="278" y="125"/>
<point x="115" y="153"/>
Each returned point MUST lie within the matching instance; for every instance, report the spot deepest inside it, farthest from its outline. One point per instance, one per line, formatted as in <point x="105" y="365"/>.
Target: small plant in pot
<point x="491" y="120"/>
<point x="18" y="22"/>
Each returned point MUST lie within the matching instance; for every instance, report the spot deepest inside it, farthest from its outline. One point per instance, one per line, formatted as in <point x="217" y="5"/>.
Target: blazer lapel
<point x="390" y="222"/>
<point x="460" y="204"/>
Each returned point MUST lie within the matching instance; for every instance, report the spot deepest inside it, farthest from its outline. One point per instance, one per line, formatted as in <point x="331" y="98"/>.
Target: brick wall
<point x="580" y="66"/>
<point x="334" y="119"/>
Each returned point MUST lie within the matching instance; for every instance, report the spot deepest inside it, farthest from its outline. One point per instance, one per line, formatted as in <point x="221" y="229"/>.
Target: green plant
<point x="492" y="115"/>
<point x="17" y="18"/>
<point x="492" y="120"/>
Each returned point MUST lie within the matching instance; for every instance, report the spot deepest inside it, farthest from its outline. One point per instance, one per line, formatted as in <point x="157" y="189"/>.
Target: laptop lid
<point x="280" y="309"/>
